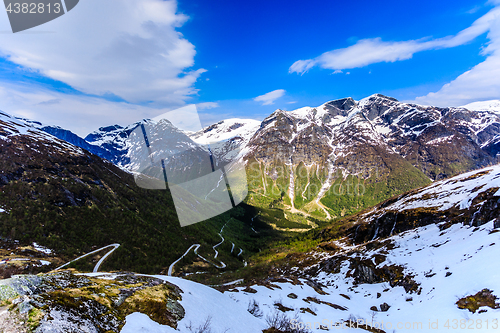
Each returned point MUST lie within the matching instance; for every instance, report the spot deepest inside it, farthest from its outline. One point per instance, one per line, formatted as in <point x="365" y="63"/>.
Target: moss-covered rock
<point x="66" y="302"/>
<point x="483" y="298"/>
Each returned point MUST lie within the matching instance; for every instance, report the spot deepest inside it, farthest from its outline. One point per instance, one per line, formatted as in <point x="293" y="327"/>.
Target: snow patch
<point x="493" y="105"/>
<point x="441" y="140"/>
<point x="139" y="322"/>
<point x="43" y="249"/>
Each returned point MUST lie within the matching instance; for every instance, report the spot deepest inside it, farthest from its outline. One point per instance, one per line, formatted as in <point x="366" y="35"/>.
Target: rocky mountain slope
<point x="113" y="140"/>
<point x="345" y="155"/>
<point x="422" y="258"/>
<point x="71" y="201"/>
<point x="227" y="137"/>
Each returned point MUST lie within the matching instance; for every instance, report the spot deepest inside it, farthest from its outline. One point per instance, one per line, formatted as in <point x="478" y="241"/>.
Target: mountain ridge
<point x="410" y="258"/>
<point x="376" y="144"/>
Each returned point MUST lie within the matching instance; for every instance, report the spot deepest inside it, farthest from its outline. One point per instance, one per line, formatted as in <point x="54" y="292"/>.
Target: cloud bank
<point x="480" y="83"/>
<point x="79" y="113"/>
<point x="127" y="48"/>
<point x="375" y="50"/>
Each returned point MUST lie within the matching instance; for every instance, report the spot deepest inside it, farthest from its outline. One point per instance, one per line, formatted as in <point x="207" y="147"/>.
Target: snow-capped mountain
<point x="375" y="141"/>
<point x="113" y="140"/>
<point x="420" y="259"/>
<point x="227" y="137"/>
<point x="332" y="129"/>
<point x="493" y="105"/>
<point x="72" y="138"/>
<point x="12" y="128"/>
<point x="153" y="142"/>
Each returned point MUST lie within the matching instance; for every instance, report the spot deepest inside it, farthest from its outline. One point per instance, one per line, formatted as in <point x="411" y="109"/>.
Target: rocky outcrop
<point x="65" y="302"/>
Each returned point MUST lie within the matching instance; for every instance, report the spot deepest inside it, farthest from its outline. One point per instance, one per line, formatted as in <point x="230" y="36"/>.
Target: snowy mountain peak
<point x="226" y="130"/>
<point x="227" y="137"/>
<point x="12" y="127"/>
<point x="493" y="105"/>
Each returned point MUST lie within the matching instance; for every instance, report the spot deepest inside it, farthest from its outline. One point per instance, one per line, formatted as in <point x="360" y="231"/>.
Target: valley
<point x="357" y="213"/>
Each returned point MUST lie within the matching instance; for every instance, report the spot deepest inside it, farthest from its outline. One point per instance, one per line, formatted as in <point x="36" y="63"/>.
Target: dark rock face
<point x="72" y="138"/>
<point x="378" y="105"/>
<point x="340" y="107"/>
<point x="112" y="141"/>
<point x="384" y="307"/>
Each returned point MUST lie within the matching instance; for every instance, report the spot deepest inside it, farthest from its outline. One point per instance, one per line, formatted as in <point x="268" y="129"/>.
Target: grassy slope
<point x="269" y="186"/>
<point x="74" y="203"/>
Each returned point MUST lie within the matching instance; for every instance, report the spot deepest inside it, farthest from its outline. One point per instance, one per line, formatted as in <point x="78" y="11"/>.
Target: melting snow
<point x="200" y="303"/>
<point x="427" y="253"/>
<point x="440" y="140"/>
<point x="459" y="190"/>
<point x="42" y="249"/>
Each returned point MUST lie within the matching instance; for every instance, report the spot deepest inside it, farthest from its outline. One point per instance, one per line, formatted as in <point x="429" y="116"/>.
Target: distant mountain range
<point x="337" y="158"/>
<point x="414" y="262"/>
<point x="70" y="200"/>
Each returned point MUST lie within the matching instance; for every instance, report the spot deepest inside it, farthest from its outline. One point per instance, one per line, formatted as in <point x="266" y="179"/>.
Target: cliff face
<point x="337" y="158"/>
<point x="69" y="200"/>
<point x="346" y="155"/>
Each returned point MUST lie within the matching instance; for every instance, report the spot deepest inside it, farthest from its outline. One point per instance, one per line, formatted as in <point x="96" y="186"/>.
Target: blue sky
<point x="99" y="65"/>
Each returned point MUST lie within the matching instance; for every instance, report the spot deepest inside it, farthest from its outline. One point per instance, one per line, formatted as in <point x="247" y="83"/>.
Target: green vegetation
<point x="34" y="317"/>
<point x="75" y="203"/>
<point x="352" y="194"/>
<point x="307" y="185"/>
<point x="483" y="298"/>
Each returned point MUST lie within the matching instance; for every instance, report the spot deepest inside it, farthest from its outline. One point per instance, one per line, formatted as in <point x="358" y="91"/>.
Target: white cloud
<point x="375" y="50"/>
<point x="270" y="97"/>
<point x="128" y="48"/>
<point x="207" y="105"/>
<point x="80" y="114"/>
<point x="480" y="83"/>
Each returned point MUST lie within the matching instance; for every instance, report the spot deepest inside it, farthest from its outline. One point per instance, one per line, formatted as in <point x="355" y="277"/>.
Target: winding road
<point x="96" y="267"/>
<point x="217" y="252"/>
<point x="171" y="267"/>
<point x="197" y="246"/>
